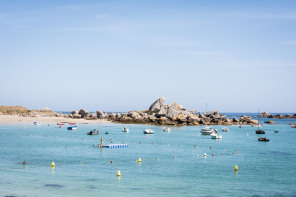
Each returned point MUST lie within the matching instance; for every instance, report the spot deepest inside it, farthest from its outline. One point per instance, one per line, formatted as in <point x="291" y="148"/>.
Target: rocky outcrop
<point x="269" y="122"/>
<point x="176" y="114"/>
<point x="278" y="116"/>
<point x="74" y="112"/>
<point x="83" y="113"/>
<point x="156" y="105"/>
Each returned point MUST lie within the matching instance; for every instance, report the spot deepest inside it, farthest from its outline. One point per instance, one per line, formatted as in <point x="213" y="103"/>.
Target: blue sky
<point x="237" y="56"/>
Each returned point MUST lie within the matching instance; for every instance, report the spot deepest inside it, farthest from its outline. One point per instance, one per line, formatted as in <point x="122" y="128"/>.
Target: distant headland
<point x="157" y="114"/>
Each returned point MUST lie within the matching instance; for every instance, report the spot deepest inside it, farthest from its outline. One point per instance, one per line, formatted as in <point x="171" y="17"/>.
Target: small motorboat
<point x="166" y="129"/>
<point x="93" y="132"/>
<point x="276" y="131"/>
<point x="208" y="131"/>
<point x="148" y="131"/>
<point x="72" y="128"/>
<point x="225" y="129"/>
<point x="72" y="123"/>
<point x="260" y="131"/>
<point x="293" y="126"/>
<point x="216" y="136"/>
<point x="60" y="123"/>
<point x="125" y="129"/>
<point x="106" y="132"/>
<point x="36" y="123"/>
<point x="263" y="139"/>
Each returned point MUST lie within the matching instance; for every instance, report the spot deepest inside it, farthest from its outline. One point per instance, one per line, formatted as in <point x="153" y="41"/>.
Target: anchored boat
<point x="260" y="131"/>
<point x="216" y="136"/>
<point x="72" y="128"/>
<point x="225" y="129"/>
<point x="93" y="132"/>
<point x="263" y="139"/>
<point x="125" y="129"/>
<point x="208" y="131"/>
<point x="166" y="129"/>
<point x="148" y="131"/>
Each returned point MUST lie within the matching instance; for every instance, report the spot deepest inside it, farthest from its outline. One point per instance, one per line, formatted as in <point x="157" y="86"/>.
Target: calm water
<point x="265" y="168"/>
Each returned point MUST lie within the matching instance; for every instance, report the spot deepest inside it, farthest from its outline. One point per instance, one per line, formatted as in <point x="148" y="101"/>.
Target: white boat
<point x="208" y="131"/>
<point x="166" y="129"/>
<point x="225" y="129"/>
<point x="36" y="123"/>
<point x="125" y="129"/>
<point x="148" y="131"/>
<point x="72" y="128"/>
<point x="216" y="136"/>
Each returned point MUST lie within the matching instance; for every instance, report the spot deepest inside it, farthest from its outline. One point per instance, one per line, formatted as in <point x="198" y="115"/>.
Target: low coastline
<point x="15" y="119"/>
<point x="158" y="113"/>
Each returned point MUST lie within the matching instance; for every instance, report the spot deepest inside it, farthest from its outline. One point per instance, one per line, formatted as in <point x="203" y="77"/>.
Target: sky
<point x="113" y="55"/>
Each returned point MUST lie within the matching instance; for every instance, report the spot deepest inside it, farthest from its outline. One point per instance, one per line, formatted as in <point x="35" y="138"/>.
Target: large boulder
<point x="133" y="114"/>
<point x="76" y="116"/>
<point x="252" y="121"/>
<point x="100" y="114"/>
<point x="235" y="120"/>
<point x="209" y="113"/>
<point x="162" y="111"/>
<point x="83" y="113"/>
<point x="156" y="105"/>
<point x="74" y="112"/>
<point x="173" y="110"/>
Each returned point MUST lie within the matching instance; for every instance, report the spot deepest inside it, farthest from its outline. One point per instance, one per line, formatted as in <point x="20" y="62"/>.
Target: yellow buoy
<point x="52" y="164"/>
<point x="235" y="168"/>
<point x="139" y="160"/>
<point x="118" y="173"/>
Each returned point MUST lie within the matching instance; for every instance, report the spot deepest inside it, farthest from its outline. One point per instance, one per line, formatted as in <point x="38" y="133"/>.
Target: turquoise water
<point x="265" y="168"/>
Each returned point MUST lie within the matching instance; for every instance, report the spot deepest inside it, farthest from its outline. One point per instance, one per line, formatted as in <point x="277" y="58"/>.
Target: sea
<point x="172" y="163"/>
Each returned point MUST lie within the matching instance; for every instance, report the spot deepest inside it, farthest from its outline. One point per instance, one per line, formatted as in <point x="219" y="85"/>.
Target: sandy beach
<point x="14" y="119"/>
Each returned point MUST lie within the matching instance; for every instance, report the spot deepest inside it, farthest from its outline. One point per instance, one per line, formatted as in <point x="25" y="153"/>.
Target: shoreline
<point x="15" y="119"/>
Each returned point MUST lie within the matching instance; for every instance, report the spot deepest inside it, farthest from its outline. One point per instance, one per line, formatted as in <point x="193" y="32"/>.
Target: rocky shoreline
<point x="157" y="114"/>
<point x="278" y="116"/>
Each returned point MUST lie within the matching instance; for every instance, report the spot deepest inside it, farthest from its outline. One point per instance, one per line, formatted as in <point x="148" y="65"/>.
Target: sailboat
<point x="259" y="131"/>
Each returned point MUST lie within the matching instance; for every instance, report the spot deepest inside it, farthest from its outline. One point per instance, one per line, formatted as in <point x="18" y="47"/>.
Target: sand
<point x="11" y="119"/>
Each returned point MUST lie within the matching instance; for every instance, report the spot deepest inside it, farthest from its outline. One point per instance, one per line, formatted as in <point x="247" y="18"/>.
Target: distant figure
<point x="66" y="147"/>
<point x="111" y="141"/>
<point x="48" y="124"/>
<point x="101" y="141"/>
<point x="93" y="145"/>
<point x="24" y="162"/>
<point x="60" y="126"/>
